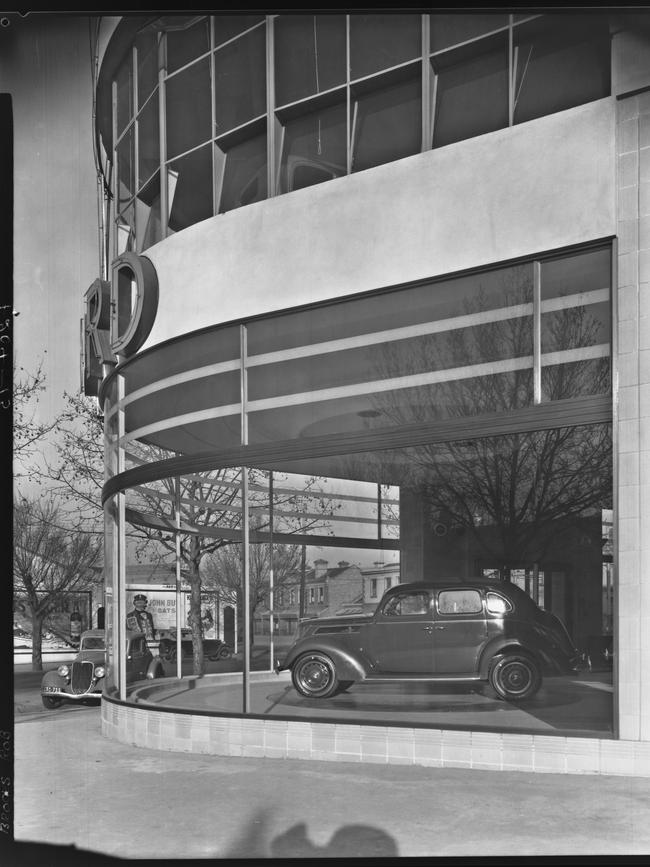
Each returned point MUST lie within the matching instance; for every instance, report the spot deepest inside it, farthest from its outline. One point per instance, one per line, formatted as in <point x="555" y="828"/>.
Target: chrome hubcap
<point x="515" y="677"/>
<point x="314" y="675"/>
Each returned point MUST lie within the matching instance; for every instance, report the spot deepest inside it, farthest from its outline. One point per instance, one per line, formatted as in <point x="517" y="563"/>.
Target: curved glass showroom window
<point x="408" y="495"/>
<point x="284" y="102"/>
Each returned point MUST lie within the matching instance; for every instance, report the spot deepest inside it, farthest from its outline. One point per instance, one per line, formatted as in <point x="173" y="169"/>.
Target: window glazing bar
<point x="512" y="58"/>
<point x="392" y="384"/>
<point x="178" y="379"/>
<point x="580" y="299"/>
<point x="177" y="540"/>
<point x="119" y="621"/>
<point x="271" y="576"/>
<point x="537" y="333"/>
<point x="245" y="558"/>
<point x="136" y="132"/>
<point x="349" y="129"/>
<point x="421" y="329"/>
<point x="216" y="184"/>
<point x="274" y="128"/>
<point x="246" y="600"/>
<point x="116" y="172"/>
<point x="162" y="131"/>
<point x="426" y="84"/>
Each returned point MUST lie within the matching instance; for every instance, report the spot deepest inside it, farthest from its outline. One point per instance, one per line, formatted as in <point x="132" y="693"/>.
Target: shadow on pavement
<point x="51" y="855"/>
<point x="349" y="841"/>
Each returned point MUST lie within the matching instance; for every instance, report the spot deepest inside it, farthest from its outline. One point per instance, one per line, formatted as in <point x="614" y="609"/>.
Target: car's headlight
<point x="100" y="671"/>
<point x="63" y="670"/>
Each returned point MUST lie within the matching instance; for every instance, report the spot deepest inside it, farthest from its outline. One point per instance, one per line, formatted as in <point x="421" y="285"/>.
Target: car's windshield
<point x="93" y="642"/>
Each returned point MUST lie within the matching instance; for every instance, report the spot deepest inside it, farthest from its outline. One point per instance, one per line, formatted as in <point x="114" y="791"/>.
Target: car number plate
<point x="50" y="689"/>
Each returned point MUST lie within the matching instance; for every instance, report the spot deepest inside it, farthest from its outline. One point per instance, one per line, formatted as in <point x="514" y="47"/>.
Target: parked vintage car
<point x="443" y="631"/>
<point x="83" y="678"/>
<point x="213" y="648"/>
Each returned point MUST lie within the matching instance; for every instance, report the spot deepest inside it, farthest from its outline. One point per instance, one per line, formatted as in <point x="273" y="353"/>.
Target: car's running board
<point x="449" y="678"/>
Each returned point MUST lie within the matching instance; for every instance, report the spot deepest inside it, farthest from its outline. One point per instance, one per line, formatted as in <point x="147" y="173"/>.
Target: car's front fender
<point x="155" y="669"/>
<point x="348" y="666"/>
<point x="53" y="678"/>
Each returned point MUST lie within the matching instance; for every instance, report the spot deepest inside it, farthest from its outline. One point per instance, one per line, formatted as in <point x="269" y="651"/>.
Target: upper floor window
<point x="212" y="113"/>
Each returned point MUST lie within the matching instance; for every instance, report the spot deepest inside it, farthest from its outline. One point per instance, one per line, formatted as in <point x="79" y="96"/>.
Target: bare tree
<point x="50" y="561"/>
<point x="27" y="432"/>
<point x="209" y="503"/>
<point x="75" y="474"/>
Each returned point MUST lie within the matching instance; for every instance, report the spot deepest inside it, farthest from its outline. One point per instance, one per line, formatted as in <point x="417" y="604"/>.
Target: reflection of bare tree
<point x="211" y="516"/>
<point x="224" y="572"/>
<point x="521" y="485"/>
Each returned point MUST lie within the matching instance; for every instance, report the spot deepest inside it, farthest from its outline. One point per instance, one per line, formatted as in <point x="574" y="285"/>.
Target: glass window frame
<point x="270" y="122"/>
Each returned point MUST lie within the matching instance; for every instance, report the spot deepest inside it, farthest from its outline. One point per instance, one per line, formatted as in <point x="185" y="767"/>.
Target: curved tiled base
<point x="140" y="722"/>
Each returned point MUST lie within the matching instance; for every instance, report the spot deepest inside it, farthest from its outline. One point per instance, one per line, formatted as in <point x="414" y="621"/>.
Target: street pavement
<point x="81" y="798"/>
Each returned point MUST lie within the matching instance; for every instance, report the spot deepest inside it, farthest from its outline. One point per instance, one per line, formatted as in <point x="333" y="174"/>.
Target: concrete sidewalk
<point x="75" y="787"/>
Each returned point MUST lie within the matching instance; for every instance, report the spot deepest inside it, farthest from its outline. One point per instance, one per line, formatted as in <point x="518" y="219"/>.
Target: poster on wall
<point x="160" y="603"/>
<point x="67" y="618"/>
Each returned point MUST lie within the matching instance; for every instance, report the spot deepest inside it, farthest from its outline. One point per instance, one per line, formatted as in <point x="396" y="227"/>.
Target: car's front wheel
<point x="314" y="676"/>
<point x="50" y="702"/>
<point x="223" y="653"/>
<point x="515" y="676"/>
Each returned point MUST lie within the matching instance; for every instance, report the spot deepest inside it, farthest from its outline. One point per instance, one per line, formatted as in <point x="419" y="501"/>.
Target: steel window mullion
<point x="271" y="576"/>
<point x="116" y="173"/>
<point x="426" y="82"/>
<point x="119" y="621"/>
<point x="177" y="545"/>
<point x="162" y="132"/>
<point x="246" y="600"/>
<point x="348" y="101"/>
<point x="511" y="73"/>
<point x="243" y="383"/>
<point x="213" y="125"/>
<point x="537" y="333"/>
<point x="272" y="123"/>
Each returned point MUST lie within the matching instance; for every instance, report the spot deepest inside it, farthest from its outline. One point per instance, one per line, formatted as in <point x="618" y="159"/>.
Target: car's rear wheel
<point x="50" y="702"/>
<point x="314" y="676"/>
<point x="223" y="653"/>
<point x="515" y="676"/>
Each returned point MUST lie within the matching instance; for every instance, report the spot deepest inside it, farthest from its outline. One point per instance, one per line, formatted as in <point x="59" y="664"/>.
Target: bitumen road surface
<point x="81" y="798"/>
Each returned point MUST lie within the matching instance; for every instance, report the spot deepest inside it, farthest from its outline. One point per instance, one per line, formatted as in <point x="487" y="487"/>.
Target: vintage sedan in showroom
<point x="443" y="631"/>
<point x="213" y="648"/>
<point x="83" y="679"/>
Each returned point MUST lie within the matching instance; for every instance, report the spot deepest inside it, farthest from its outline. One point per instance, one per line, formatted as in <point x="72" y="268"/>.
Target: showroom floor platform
<point x="578" y="705"/>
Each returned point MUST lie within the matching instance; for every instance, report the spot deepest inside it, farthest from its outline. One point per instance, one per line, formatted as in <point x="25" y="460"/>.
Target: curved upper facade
<point x="207" y="114"/>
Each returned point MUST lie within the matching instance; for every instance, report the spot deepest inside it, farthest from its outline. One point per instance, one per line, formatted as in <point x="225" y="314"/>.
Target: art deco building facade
<point x="407" y="253"/>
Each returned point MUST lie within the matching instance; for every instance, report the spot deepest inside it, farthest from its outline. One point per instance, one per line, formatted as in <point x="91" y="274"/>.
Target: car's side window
<point x="498" y="604"/>
<point x="405" y="604"/>
<point x="459" y="602"/>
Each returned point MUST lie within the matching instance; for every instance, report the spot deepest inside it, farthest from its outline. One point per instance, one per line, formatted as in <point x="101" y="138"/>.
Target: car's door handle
<point x="439" y="627"/>
<point x="427" y="629"/>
